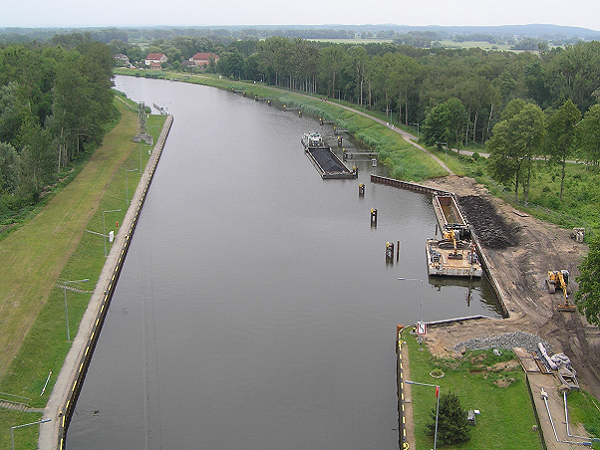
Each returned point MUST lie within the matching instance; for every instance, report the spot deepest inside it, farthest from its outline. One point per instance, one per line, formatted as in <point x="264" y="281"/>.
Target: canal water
<point x="256" y="309"/>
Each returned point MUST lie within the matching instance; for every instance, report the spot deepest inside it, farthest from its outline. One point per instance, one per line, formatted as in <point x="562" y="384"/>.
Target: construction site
<point x="534" y="266"/>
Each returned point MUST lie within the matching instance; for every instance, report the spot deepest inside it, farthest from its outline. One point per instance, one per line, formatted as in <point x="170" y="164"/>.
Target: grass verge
<point x="55" y="245"/>
<point x="482" y="382"/>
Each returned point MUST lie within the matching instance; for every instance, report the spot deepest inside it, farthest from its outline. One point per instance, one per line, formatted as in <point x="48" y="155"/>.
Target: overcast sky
<point x="120" y="13"/>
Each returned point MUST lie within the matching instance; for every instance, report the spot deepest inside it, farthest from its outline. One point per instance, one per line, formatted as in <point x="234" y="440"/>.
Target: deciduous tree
<point x="587" y="297"/>
<point x="561" y="135"/>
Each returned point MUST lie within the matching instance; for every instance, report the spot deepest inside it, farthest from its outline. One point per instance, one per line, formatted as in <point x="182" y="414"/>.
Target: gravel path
<point x="506" y="341"/>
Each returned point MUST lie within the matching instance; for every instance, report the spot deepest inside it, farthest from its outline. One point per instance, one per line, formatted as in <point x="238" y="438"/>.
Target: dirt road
<point x="521" y="268"/>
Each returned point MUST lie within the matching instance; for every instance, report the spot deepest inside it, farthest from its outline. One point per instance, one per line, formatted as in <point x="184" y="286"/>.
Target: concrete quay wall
<point x="61" y="403"/>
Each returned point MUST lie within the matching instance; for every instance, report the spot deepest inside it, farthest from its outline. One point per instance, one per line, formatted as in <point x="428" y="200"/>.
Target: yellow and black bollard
<point x="321" y="121"/>
<point x="373" y="217"/>
<point x="299" y="113"/>
<point x="361" y="189"/>
<point x="269" y="102"/>
<point x="389" y="252"/>
<point x="339" y="141"/>
<point x="284" y="107"/>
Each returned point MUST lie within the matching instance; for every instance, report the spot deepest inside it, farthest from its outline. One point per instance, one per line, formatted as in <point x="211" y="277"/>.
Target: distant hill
<point x="531" y="30"/>
<point x="333" y="31"/>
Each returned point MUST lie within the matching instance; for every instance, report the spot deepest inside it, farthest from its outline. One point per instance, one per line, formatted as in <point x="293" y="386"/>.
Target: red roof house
<point x="155" y="60"/>
<point x="202" y="59"/>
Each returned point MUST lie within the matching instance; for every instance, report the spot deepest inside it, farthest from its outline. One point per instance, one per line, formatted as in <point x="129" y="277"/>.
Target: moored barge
<point x="327" y="163"/>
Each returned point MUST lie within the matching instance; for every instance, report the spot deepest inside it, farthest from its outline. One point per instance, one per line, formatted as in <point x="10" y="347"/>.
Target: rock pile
<point x="489" y="227"/>
<point x="507" y="340"/>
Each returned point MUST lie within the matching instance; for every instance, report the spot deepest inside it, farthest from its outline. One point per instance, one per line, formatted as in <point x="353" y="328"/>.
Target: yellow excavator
<point x="450" y="237"/>
<point x="560" y="279"/>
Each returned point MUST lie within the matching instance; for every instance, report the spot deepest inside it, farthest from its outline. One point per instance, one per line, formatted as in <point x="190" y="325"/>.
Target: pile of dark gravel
<point x="506" y="341"/>
<point x="489" y="227"/>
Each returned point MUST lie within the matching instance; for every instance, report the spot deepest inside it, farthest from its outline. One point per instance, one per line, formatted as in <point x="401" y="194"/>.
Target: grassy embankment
<point x="507" y="417"/>
<point x="404" y="160"/>
<point x="51" y="246"/>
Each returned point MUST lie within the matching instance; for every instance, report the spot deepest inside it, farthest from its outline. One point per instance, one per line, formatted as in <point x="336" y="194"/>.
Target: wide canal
<point x="255" y="309"/>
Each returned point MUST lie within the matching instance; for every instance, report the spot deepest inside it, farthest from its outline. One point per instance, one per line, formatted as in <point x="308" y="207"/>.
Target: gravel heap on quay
<point x="507" y="341"/>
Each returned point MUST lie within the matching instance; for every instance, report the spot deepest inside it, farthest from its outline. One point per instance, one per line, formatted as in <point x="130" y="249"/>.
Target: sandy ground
<point x="521" y="271"/>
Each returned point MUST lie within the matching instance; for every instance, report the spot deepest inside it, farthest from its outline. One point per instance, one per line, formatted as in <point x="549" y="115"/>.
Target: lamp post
<point x="64" y="286"/>
<point x="389" y="113"/>
<point x="104" y="226"/>
<point x="437" y="412"/>
<point x="417" y="125"/>
<point x="127" y="185"/>
<point x="421" y="321"/>
<point x="12" y="437"/>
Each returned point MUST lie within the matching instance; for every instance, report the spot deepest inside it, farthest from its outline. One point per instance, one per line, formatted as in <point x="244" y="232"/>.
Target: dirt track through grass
<point x="32" y="257"/>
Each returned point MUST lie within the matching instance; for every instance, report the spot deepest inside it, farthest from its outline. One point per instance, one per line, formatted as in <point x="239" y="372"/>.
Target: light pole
<point x="127" y="185"/>
<point x="64" y="286"/>
<point x="104" y="225"/>
<point x="12" y="437"/>
<point x="437" y="412"/>
<point x="417" y="125"/>
<point x="422" y="284"/>
<point x="141" y="147"/>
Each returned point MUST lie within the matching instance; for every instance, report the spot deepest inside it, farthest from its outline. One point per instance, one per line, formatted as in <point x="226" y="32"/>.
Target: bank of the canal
<point x="62" y="400"/>
<point x="407" y="159"/>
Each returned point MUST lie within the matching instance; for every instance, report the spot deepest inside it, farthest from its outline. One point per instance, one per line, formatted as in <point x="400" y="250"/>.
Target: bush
<point x="452" y="421"/>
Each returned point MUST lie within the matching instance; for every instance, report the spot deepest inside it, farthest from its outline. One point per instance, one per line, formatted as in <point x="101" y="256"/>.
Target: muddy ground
<point x="521" y="250"/>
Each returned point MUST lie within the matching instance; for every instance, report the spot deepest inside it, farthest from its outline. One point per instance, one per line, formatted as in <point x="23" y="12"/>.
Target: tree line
<point x="456" y="97"/>
<point x="409" y="82"/>
<point x="55" y="101"/>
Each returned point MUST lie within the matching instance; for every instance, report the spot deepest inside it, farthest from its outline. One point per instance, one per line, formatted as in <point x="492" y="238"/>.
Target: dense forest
<point x="55" y="101"/>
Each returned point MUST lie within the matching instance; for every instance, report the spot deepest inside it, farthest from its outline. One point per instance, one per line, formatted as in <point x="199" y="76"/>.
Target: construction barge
<point x="325" y="161"/>
<point x="455" y="254"/>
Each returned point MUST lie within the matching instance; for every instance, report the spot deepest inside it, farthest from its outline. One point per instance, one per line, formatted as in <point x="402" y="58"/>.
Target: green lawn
<point x="506" y="418"/>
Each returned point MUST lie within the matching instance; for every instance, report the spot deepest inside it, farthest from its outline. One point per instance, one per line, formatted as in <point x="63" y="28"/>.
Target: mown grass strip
<point x="55" y="246"/>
